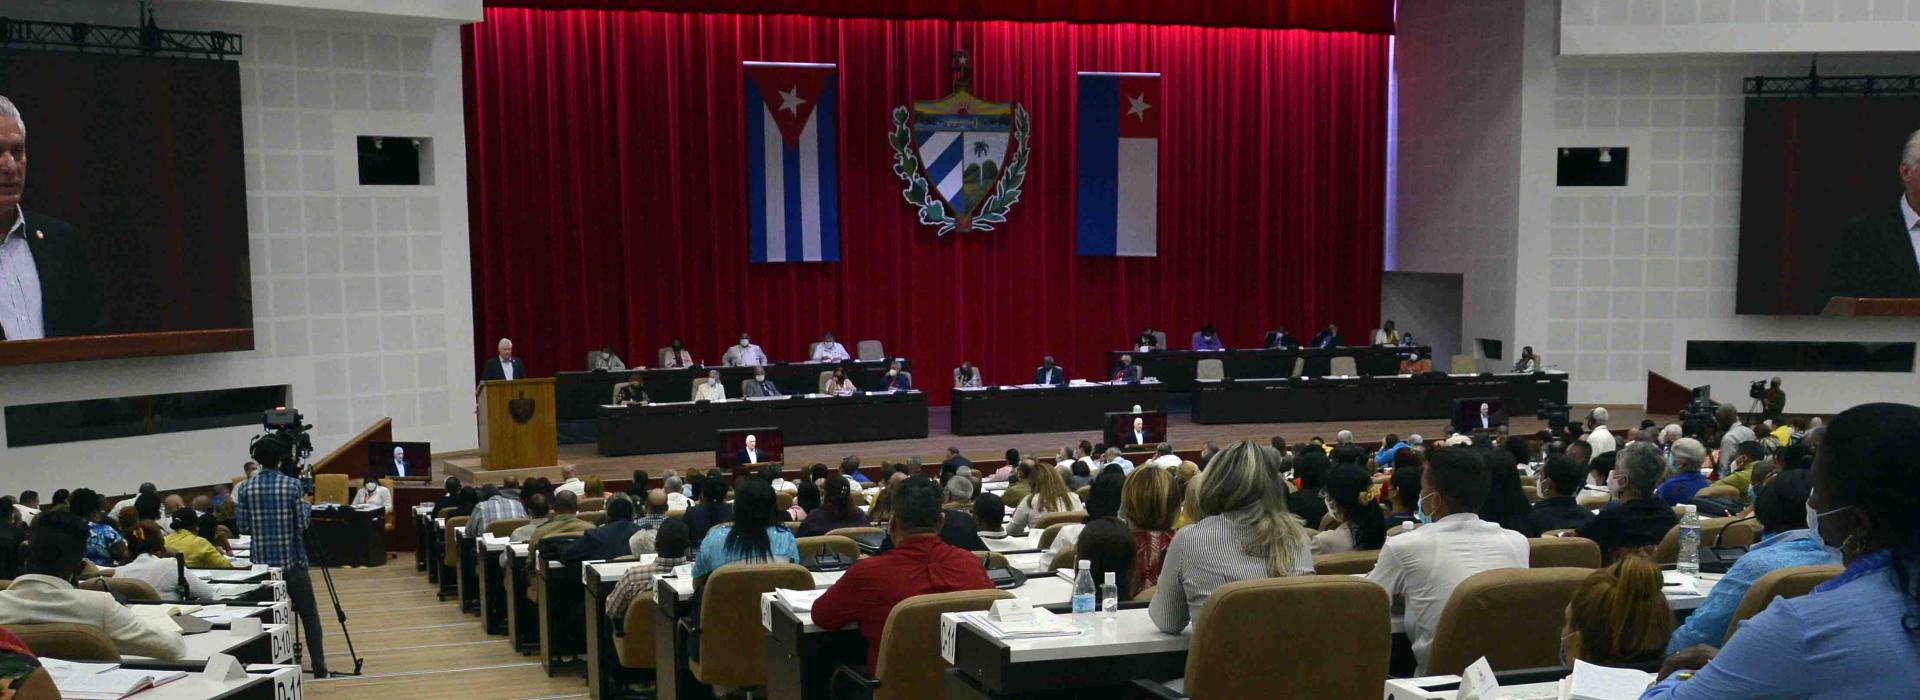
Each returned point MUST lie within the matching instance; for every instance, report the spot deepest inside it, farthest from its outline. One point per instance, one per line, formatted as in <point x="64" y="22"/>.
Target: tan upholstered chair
<point x="1463" y="364"/>
<point x="1051" y="519"/>
<point x="821" y="387"/>
<point x="597" y="517"/>
<point x="730" y="621"/>
<point x="592" y="504"/>
<point x="785" y="499"/>
<point x="68" y="641"/>
<point x="1479" y="619"/>
<point x="1562" y="532"/>
<point x="1346" y="563"/>
<point x="1790" y="582"/>
<point x="634" y="643"/>
<point x="909" y="664"/>
<point x="1742" y="533"/>
<point x="1551" y="552"/>
<point x="811" y="547"/>
<point x="330" y="488"/>
<point x="505" y="526"/>
<point x="1334" y="632"/>
<point x="1299" y="368"/>
<point x="662" y="354"/>
<point x="1343" y="365"/>
<point x="129" y="588"/>
<point x="992" y="560"/>
<point x="1161" y="338"/>
<point x="855" y="533"/>
<point x="1050" y="534"/>
<point x="869" y="351"/>
<point x="698" y="382"/>
<point x="1066" y="559"/>
<point x="1329" y="521"/>
<point x="451" y="552"/>
<point x="1145" y="594"/>
<point x="1209" y="369"/>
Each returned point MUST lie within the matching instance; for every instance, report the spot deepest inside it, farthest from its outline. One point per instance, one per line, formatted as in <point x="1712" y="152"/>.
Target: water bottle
<point x="1083" y="588"/>
<point x="1109" y="597"/>
<point x="1689" y="562"/>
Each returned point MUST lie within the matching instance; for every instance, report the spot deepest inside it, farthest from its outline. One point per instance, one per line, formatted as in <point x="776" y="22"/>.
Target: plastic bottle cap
<point x="1110" y="581"/>
<point x="1085" y="564"/>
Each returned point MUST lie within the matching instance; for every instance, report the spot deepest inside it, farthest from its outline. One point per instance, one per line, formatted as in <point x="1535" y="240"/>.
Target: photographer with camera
<point x="1773" y="398"/>
<point x="273" y="508"/>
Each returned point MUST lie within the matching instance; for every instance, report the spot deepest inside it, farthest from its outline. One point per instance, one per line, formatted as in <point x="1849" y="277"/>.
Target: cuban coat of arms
<point x="963" y="158"/>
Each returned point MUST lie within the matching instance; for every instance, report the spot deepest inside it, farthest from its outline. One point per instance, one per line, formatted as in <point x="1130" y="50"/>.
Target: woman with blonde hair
<point x="1245" y="532"/>
<point x="1618" y="616"/>
<point x="595" y="488"/>
<point x="1149" y="503"/>
<point x="1049" y="495"/>
<point x="1189" y="502"/>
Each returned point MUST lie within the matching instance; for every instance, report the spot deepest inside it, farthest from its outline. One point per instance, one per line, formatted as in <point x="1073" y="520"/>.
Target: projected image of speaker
<point x="399" y="460"/>
<point x="1478" y="414"/>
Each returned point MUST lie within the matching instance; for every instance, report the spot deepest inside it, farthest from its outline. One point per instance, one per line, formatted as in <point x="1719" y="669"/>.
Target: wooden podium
<point x="1872" y="306"/>
<point x="517" y="424"/>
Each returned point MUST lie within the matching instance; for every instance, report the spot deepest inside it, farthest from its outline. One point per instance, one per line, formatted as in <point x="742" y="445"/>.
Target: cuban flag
<point x="793" y="197"/>
<point x="1119" y="156"/>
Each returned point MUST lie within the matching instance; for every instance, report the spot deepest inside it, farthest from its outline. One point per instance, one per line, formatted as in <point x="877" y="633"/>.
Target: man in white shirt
<point x="159" y="569"/>
<point x="829" y="351"/>
<point x="371" y="493"/>
<point x="145" y="488"/>
<point x="712" y="390"/>
<point x="45" y="593"/>
<point x="1164" y="458"/>
<point x="1600" y="438"/>
<point x="1425" y="565"/>
<point x="604" y="360"/>
<point x="28" y="506"/>
<point x="744" y="354"/>
<point x="1112" y="456"/>
<point x="569" y="482"/>
<point x="676" y="492"/>
<point x="1732" y="433"/>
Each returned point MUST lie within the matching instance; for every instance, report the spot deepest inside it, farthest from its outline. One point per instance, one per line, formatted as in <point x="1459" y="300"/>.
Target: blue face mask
<point x="1420" y="510"/>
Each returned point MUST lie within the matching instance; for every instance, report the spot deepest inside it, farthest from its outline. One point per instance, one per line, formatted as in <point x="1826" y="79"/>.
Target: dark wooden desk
<point x="688" y="427"/>
<point x="467" y="577"/>
<point x="675" y="681"/>
<point x="995" y="410"/>
<point x="1367" y="398"/>
<point x="577" y="394"/>
<point x="493" y="591"/>
<point x="523" y="627"/>
<point x="562" y="642"/>
<point x="349" y="537"/>
<point x="1177" y="368"/>
<point x="604" y="672"/>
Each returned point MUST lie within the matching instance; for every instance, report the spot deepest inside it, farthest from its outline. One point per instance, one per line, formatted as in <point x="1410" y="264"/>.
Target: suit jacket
<point x="69" y="302"/>
<point x="1129" y="374"/>
<point x="900" y="382"/>
<point x="752" y="387"/>
<point x="1873" y="258"/>
<point x="1137" y="438"/>
<point x="1046" y="376"/>
<point x="629" y="392"/>
<point x="399" y="468"/>
<point x="1277" y="339"/>
<point x="1327" y="340"/>
<point x="761" y="456"/>
<point x="494" y="372"/>
<point x="604" y="542"/>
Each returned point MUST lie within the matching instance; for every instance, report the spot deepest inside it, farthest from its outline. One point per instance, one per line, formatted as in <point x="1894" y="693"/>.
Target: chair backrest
<point x="1533" y="493"/>
<point x="129" y="588"/>
<point x="1050" y="519"/>
<point x="505" y="526"/>
<point x="992" y="560"/>
<point x="451" y="552"/>
<point x="595" y="503"/>
<point x="330" y="488"/>
<point x="68" y="641"/>
<point x="1068" y="558"/>
<point x="1052" y="532"/>
<point x="1299" y="367"/>
<point x="730" y="621"/>
<point x="1463" y="364"/>
<point x="697" y="383"/>
<point x="1161" y="338"/>
<point x="634" y="645"/>
<point x="785" y="498"/>
<point x="1551" y="552"/>
<point x="909" y="662"/>
<point x="1209" y="369"/>
<point x="1478" y="619"/>
<point x="663" y="353"/>
<point x="1790" y="582"/>
<point x="597" y="517"/>
<point x="5" y="583"/>
<point x="1329" y="521"/>
<point x="824" y="376"/>
<point x="1334" y="632"/>
<point x="1343" y="365"/>
<point x="870" y="350"/>
<point x="1742" y="533"/>
<point x="813" y="546"/>
<point x="1346" y="563"/>
<point x="855" y="533"/>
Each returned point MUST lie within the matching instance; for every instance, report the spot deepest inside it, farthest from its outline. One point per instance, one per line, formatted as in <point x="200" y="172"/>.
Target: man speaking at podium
<point x="750" y="453"/>
<point x="504" y="366"/>
<point x="1878" y="254"/>
<point x="46" y="284"/>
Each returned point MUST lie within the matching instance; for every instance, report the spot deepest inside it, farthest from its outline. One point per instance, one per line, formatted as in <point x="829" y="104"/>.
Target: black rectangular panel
<point x="1789" y="356"/>
<point x="130" y="416"/>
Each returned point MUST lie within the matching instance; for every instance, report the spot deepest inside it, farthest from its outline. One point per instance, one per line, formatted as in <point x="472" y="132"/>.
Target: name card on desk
<point x="1012" y="610"/>
<point x="245" y="627"/>
<point x="1477" y="682"/>
<point x="225" y="668"/>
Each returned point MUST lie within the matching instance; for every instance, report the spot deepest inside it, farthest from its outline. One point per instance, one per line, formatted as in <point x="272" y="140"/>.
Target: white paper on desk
<point x="61" y="670"/>
<point x="1677" y="583"/>
<point x="798" y="601"/>
<point x="1477" y="682"/>
<point x="1043" y="624"/>
<point x="1592" y="682"/>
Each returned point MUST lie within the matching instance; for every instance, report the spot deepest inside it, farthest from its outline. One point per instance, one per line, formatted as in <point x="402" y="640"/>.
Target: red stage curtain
<point x="607" y="181"/>
<point x="1372" y="16"/>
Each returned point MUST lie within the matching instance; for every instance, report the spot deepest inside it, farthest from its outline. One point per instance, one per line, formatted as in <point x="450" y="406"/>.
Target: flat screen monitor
<point x="1120" y="430"/>
<point x="399" y="459"/>
<point x="1484" y="413"/>
<point x="1702" y="392"/>
<point x="1490" y="348"/>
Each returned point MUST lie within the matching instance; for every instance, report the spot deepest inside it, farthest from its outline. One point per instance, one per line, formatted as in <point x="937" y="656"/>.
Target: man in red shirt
<point x="919" y="563"/>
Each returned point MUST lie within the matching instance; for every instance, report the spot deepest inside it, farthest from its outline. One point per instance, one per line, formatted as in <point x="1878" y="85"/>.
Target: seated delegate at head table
<point x="634" y="391"/>
<point x="897" y="379"/>
<point x="759" y="385"/>
<point x="744" y="354"/>
<point x="1048" y="373"/>
<point x="603" y="360"/>
<point x="839" y="385"/>
<point x="827" y="350"/>
<point x="1386" y="334"/>
<point x="1207" y="339"/>
<point x="966" y="376"/>
<point x="676" y="356"/>
<point x="1528" y="361"/>
<point x="1147" y="342"/>
<point x="711" y="389"/>
<point x="1127" y="372"/>
<point x="1279" y="338"/>
<point x="1329" y="337"/>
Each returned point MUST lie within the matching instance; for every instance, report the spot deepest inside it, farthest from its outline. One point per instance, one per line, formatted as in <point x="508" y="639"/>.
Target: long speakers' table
<point x="803" y="420"/>
<point x="1049" y="409"/>
<point x="1177" y="368"/>
<point x="577" y="395"/>
<point x="1367" y="398"/>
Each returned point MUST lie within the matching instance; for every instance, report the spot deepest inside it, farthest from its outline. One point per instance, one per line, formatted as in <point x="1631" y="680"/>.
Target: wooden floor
<point x="418" y="648"/>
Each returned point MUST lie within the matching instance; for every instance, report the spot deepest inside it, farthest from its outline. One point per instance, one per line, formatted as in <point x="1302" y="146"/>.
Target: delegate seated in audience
<point x="448" y="500"/>
<point x="1618" y="616"/>
<point x="1857" y="635"/>
<point x="990" y="515"/>
<point x="958" y="529"/>
<point x="156" y="566"/>
<point x="669" y="548"/>
<point x="1386" y="334"/>
<point x="1425" y="565"/>
<point x="1189" y="504"/>
<point x="1049" y="494"/>
<point x="564" y="521"/>
<point x="126" y="504"/>
<point x="1103" y="501"/>
<point x="839" y="385"/>
<point x="1310" y="468"/>
<point x="1149" y="503"/>
<point x="13" y="531"/>
<point x="1738" y="485"/>
<point x="1639" y="520"/>
<point x="1021" y="485"/>
<point x="538" y="506"/>
<point x="1360" y="523"/>
<point x="920" y="563"/>
<point x="608" y="540"/>
<point x="45" y="594"/>
<point x="966" y="376"/>
<point x="806" y="499"/>
<point x="1506" y="502"/>
<point x="744" y="354"/>
<point x="1557" y="481"/>
<point x="1403" y="491"/>
<point x="21" y="675"/>
<point x="105" y="546"/>
<point x="493" y="506"/>
<point x="1107" y="545"/>
<point x="1596" y="492"/>
<point x="652" y="516"/>
<point x="1781" y="507"/>
<point x="1686" y="479"/>
<point x="1244" y="532"/>
<point x="712" y="509"/>
<point x="1079" y="475"/>
<point x="187" y="540"/>
<point x="835" y="510"/>
<point x="753" y="536"/>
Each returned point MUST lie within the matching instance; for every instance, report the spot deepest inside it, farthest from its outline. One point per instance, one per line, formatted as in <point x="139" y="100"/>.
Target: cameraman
<point x="1776" y="401"/>
<point x="273" y="509"/>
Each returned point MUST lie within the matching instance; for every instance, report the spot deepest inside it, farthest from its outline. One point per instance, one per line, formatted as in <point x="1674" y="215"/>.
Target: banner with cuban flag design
<point x="793" y="173"/>
<point x="1119" y="164"/>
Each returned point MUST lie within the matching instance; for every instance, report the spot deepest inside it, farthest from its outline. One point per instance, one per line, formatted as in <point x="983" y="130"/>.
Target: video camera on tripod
<point x="285" y="447"/>
<point x="1556" y="414"/>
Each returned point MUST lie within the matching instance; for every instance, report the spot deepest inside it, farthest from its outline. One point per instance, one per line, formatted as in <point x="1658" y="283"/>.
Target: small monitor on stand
<point x="1490" y="348"/>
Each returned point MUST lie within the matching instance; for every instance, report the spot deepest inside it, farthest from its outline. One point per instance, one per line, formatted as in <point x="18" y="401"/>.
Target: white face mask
<point x="892" y="372"/>
<point x="1813" y="523"/>
<point x="743" y="342"/>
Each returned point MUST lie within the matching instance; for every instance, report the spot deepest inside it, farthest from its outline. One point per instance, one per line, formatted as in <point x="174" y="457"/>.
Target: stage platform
<point x="1181" y="431"/>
